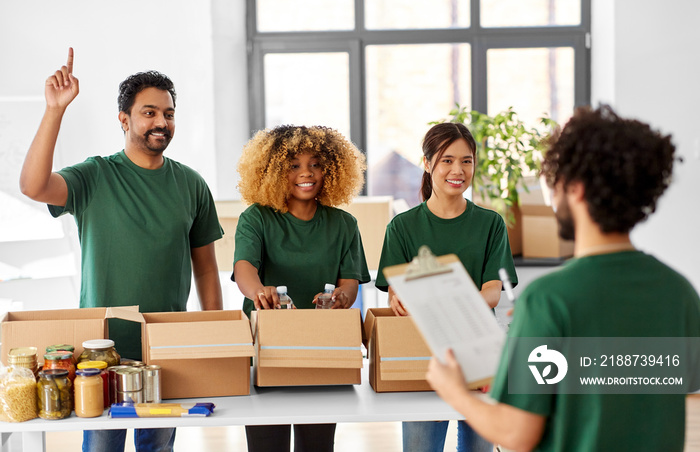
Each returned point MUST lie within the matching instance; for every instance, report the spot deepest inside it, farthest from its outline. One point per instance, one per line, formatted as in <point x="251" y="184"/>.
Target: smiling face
<point x="453" y="171"/>
<point x="305" y="177"/>
<point x="150" y="125"/>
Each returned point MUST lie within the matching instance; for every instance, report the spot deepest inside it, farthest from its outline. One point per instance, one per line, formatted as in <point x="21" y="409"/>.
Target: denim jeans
<point x="145" y="440"/>
<point x="430" y="437"/>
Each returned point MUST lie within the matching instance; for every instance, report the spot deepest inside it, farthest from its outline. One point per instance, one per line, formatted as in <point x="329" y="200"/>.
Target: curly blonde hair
<point x="265" y="163"/>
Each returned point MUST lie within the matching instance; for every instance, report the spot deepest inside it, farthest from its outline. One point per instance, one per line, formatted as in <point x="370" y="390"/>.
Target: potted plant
<point x="507" y="151"/>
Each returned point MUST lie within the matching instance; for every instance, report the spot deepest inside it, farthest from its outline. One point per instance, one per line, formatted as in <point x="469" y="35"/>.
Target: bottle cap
<point x="281" y="289"/>
<point x="92" y="365"/>
<point x="329" y="287"/>
<point x="88" y="372"/>
<point x="57" y="355"/>
<point x="98" y="343"/>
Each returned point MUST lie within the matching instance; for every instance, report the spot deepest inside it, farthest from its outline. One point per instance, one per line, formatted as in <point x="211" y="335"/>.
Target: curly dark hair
<point x="134" y="84"/>
<point x="624" y="165"/>
<point x="266" y="159"/>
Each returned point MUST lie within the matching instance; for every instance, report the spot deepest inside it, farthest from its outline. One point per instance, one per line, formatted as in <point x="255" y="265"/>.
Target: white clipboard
<point x="450" y="313"/>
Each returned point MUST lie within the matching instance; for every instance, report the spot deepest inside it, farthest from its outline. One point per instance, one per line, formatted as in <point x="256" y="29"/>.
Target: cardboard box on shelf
<point x="398" y="354"/>
<point x="201" y="354"/>
<point x="539" y="225"/>
<point x="57" y="326"/>
<point x="307" y="347"/>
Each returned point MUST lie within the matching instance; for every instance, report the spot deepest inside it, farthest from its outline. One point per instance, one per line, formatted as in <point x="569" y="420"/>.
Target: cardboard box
<point x="201" y="354"/>
<point x="307" y="347"/>
<point x="398" y="354"/>
<point x="60" y="326"/>
<point x="228" y="212"/>
<point x="373" y="214"/>
<point x="540" y="230"/>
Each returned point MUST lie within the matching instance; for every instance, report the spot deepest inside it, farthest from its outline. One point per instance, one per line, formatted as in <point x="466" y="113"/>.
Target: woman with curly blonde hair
<point x="293" y="235"/>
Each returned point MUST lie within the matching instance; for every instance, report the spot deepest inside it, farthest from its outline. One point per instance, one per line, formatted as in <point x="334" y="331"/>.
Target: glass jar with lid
<point x="60" y="359"/>
<point x="89" y="393"/>
<point x="100" y="350"/>
<point x="63" y="347"/>
<point x="54" y="394"/>
<point x="102" y="367"/>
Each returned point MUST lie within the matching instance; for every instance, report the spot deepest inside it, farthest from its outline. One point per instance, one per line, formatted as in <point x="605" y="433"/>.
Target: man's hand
<point x="62" y="87"/>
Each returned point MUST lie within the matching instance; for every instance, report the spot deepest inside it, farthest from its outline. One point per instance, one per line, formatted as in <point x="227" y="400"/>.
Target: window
<point x="380" y="70"/>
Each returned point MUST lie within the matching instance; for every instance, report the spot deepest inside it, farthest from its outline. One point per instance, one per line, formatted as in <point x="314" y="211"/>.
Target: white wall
<point x="112" y="40"/>
<point x="647" y="65"/>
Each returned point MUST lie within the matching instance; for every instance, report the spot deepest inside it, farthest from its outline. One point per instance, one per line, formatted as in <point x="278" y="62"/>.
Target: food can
<point x="129" y="385"/>
<point x="112" y="382"/>
<point x="151" y="384"/>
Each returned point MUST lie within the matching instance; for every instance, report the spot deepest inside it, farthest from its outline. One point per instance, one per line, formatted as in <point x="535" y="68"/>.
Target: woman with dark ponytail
<point x="448" y="223"/>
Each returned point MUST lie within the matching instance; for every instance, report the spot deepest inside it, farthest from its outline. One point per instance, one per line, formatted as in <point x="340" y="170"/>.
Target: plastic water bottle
<point x="285" y="300"/>
<point x="325" y="300"/>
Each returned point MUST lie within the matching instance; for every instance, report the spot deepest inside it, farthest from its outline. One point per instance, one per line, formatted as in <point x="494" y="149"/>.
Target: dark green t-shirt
<point x="136" y="228"/>
<point x="478" y="237"/>
<point x="302" y="255"/>
<point x="625" y="294"/>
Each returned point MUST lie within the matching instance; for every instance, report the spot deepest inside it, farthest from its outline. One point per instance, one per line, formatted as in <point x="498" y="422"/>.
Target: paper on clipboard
<point x="450" y="313"/>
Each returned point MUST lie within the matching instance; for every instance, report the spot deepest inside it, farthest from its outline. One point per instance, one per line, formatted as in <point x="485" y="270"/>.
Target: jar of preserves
<point x="63" y="347"/>
<point x="23" y="357"/>
<point x="102" y="367"/>
<point x="100" y="350"/>
<point x="54" y="394"/>
<point x="89" y="393"/>
<point x="60" y="360"/>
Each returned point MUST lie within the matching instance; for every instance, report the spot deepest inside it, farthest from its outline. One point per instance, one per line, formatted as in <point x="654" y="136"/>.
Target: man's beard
<point x="159" y="146"/>
<point x="564" y="220"/>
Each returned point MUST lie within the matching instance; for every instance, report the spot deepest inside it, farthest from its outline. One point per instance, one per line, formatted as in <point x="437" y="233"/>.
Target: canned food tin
<point x="151" y="384"/>
<point x="129" y="396"/>
<point x="112" y="382"/>
<point x="129" y="379"/>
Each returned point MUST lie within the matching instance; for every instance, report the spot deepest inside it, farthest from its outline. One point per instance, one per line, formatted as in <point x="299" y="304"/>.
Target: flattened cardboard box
<point x="307" y="347"/>
<point x="398" y="354"/>
<point x="57" y="326"/>
<point x="201" y="354"/>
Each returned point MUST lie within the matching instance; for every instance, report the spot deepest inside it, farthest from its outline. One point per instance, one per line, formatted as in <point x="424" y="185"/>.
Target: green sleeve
<point x="353" y="264"/>
<point x="499" y="254"/>
<point x="249" y="239"/>
<point x="205" y="228"/>
<point x="392" y="254"/>
<point x="81" y="180"/>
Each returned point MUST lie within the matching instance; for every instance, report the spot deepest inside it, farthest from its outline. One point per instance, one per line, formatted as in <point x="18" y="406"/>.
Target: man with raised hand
<point x="146" y="223"/>
<point x="607" y="174"/>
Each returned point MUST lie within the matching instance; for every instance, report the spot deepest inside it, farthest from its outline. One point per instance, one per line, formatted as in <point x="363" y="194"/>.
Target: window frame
<point x="355" y="41"/>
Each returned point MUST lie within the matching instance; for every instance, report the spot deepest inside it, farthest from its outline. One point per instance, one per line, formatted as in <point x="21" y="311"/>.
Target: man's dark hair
<point x="623" y="164"/>
<point x="134" y="84"/>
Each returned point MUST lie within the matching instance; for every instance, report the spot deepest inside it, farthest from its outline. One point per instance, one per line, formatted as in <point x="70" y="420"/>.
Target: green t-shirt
<point x="625" y="294"/>
<point x="478" y="237"/>
<point x="136" y="227"/>
<point x="302" y="255"/>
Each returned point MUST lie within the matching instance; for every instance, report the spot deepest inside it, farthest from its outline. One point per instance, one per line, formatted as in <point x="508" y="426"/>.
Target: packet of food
<point x="119" y="410"/>
<point x="17" y="394"/>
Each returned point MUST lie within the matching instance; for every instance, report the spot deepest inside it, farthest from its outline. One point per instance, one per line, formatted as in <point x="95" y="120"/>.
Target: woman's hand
<point x="396" y="304"/>
<point x="266" y="298"/>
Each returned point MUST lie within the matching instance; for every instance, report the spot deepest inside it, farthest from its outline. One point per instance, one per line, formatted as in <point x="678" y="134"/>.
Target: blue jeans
<point x="145" y="440"/>
<point x="430" y="437"/>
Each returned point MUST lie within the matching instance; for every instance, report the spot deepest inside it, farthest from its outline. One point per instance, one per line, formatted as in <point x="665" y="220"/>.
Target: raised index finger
<point x="69" y="64"/>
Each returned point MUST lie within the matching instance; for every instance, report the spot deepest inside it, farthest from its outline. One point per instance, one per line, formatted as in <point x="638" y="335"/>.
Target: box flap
<point x="402" y="352"/>
<point x="309" y="338"/>
<point x="125" y="313"/>
<point x="198" y="339"/>
<point x="368" y="324"/>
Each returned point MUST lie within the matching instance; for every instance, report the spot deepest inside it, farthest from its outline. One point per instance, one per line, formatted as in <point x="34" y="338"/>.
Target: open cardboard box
<point x="398" y="354"/>
<point x="307" y="347"/>
<point x="202" y="354"/>
<point x="56" y="326"/>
